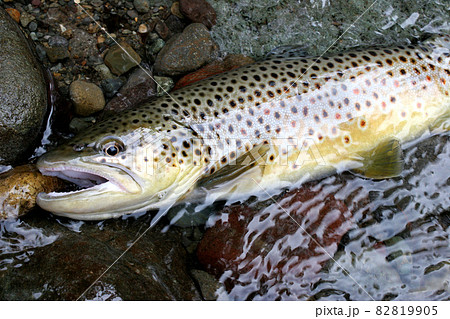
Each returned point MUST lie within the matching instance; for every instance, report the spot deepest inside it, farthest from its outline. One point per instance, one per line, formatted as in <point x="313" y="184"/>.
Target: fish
<point x="265" y="126"/>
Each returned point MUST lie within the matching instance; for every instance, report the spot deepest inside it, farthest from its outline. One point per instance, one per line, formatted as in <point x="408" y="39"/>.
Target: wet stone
<point x="14" y="14"/>
<point x="198" y="11"/>
<point x="155" y="47"/>
<point x="23" y="94"/>
<point x="111" y="86"/>
<point x="139" y="88"/>
<point x="56" y="54"/>
<point x="68" y="256"/>
<point x="58" y="41"/>
<point x="87" y="98"/>
<point x="132" y="14"/>
<point x="187" y="51"/>
<point x="19" y="188"/>
<point x="82" y="44"/>
<point x="26" y="18"/>
<point x="165" y="84"/>
<point x="78" y="124"/>
<point x="104" y="71"/>
<point x="226" y="248"/>
<point x="32" y="26"/>
<point x="120" y="61"/>
<point x="142" y="6"/>
<point x="208" y="284"/>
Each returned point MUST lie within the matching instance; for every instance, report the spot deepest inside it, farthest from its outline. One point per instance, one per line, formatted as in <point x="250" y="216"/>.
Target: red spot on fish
<point x="266" y="111"/>
<point x="338" y="116"/>
<point x="356" y="91"/>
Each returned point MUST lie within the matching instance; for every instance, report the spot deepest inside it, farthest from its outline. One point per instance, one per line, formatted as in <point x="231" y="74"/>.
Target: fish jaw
<point x="109" y="191"/>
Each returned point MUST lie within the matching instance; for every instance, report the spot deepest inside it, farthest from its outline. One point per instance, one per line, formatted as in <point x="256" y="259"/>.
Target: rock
<point x="175" y="10"/>
<point x="58" y="41"/>
<point x="208" y="284"/>
<point x="199" y="11"/>
<point x="78" y="124"/>
<point x="231" y="62"/>
<point x="111" y="86"/>
<point x="104" y="71"/>
<point x="87" y="98"/>
<point x="165" y="84"/>
<point x="132" y="14"/>
<point x="82" y="45"/>
<point x="14" y="14"/>
<point x="187" y="51"/>
<point x="56" y="54"/>
<point x="26" y="18"/>
<point x="139" y="87"/>
<point x="23" y="93"/>
<point x="155" y="47"/>
<point x="142" y="6"/>
<point x="32" y="26"/>
<point x="247" y="243"/>
<point x="119" y="61"/>
<point x="67" y="256"/>
<point x="174" y="24"/>
<point x="162" y="29"/>
<point x="19" y="188"/>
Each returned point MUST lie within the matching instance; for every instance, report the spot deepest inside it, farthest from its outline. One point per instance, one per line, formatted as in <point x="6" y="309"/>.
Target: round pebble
<point x="87" y="98"/>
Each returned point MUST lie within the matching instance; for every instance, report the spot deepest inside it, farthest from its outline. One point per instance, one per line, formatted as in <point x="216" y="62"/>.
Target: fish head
<point x="120" y="170"/>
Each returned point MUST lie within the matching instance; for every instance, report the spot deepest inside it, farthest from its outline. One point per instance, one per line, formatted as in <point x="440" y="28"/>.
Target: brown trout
<point x="259" y="128"/>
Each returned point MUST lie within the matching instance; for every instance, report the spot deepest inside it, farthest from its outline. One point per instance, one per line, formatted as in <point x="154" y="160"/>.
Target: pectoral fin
<point x="242" y="164"/>
<point x="384" y="161"/>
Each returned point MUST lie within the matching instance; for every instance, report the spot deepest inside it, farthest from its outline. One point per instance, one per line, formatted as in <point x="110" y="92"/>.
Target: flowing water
<point x="386" y="239"/>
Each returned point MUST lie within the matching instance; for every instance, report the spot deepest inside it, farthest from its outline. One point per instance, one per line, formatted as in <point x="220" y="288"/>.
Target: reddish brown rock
<point x="15" y="14"/>
<point x="231" y="62"/>
<point x="293" y="238"/>
<point x="199" y="11"/>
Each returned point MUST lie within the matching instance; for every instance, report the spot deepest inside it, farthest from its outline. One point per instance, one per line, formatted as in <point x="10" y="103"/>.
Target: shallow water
<point x="397" y="245"/>
<point x="395" y="242"/>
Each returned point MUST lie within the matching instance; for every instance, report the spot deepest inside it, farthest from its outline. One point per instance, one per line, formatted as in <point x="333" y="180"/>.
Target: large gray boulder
<point x="23" y="94"/>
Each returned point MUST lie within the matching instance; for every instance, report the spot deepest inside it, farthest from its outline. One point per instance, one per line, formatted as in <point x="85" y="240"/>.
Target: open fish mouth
<point x="85" y="180"/>
<point x="102" y="192"/>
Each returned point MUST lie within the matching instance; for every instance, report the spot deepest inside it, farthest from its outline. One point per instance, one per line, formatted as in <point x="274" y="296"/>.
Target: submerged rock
<point x="186" y="52"/>
<point x="281" y="244"/>
<point x="63" y="268"/>
<point x="19" y="188"/>
<point x="23" y="93"/>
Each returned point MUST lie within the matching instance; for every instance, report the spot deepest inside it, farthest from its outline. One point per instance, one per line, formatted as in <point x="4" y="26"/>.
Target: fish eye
<point x="112" y="147"/>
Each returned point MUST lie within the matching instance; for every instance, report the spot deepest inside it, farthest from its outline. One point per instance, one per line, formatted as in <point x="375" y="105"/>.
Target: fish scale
<point x="303" y="116"/>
